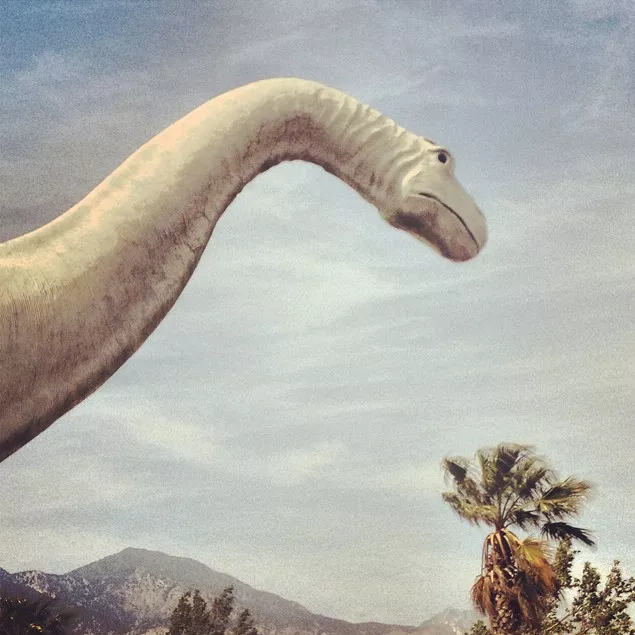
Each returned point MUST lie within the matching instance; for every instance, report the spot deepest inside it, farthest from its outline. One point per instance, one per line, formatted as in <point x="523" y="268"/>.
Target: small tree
<point x="181" y="618"/>
<point x="245" y="624"/>
<point x="221" y="611"/>
<point x="191" y="616"/>
<point x="200" y="616"/>
<point x="596" y="608"/>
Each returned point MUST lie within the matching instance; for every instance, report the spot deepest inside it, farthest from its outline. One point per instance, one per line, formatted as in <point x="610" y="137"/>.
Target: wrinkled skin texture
<point x="80" y="295"/>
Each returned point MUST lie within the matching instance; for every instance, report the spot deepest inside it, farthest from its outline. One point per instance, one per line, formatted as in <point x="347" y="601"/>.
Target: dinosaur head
<point x="435" y="208"/>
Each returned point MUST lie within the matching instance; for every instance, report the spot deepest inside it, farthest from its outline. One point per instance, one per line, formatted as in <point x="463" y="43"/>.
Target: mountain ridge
<point x="134" y="591"/>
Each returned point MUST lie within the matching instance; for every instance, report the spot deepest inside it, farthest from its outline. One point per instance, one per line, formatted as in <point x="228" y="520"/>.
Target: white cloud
<point x="69" y="478"/>
<point x="303" y="464"/>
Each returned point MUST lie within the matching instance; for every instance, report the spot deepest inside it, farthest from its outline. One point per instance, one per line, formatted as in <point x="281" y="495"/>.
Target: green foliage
<point x="596" y="608"/>
<point x="222" y="608"/>
<point x="200" y="619"/>
<point x="479" y="628"/>
<point x="507" y="487"/>
<point x="181" y="618"/>
<point x="191" y="616"/>
<point x="245" y="624"/>
<point x="42" y="616"/>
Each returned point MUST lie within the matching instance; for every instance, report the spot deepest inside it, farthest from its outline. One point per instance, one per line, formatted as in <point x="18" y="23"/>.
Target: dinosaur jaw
<point x="438" y="225"/>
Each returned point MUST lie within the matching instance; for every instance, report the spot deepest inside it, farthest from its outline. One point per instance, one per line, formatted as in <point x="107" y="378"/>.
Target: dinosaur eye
<point x="443" y="157"/>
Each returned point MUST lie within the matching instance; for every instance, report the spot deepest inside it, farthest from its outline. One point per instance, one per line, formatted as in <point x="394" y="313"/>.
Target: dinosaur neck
<point x="81" y="294"/>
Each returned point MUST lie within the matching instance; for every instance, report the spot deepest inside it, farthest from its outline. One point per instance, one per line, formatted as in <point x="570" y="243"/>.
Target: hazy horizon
<point x="286" y="422"/>
<point x="167" y="567"/>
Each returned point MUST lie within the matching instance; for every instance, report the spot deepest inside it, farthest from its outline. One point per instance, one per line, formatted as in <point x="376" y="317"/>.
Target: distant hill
<point x="449" y="621"/>
<point x="133" y="592"/>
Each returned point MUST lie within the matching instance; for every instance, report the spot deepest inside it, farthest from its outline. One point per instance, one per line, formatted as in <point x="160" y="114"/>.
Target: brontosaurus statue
<point x="79" y="295"/>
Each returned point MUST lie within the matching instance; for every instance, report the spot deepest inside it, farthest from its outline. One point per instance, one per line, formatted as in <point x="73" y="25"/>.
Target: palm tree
<point x="41" y="616"/>
<point x="507" y="487"/>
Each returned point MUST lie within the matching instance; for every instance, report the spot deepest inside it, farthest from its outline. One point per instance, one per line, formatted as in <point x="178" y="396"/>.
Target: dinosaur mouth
<point x="457" y="216"/>
<point x="438" y="226"/>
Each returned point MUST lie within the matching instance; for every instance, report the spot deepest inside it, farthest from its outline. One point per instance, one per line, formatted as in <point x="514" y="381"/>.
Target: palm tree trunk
<point x="506" y="621"/>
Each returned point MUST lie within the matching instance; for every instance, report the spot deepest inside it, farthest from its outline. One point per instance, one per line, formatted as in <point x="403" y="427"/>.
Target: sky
<point x="286" y="422"/>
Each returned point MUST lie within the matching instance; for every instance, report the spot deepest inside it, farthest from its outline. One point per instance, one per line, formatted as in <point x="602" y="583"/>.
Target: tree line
<point x="192" y="616"/>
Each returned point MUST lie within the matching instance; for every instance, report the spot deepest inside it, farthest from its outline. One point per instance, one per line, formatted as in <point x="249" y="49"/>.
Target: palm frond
<point x="529" y="602"/>
<point x="503" y="468"/>
<point x="482" y="594"/>
<point x="561" y="530"/>
<point x="471" y="511"/>
<point x="533" y="477"/>
<point x="472" y="489"/>
<point x="533" y="556"/>
<point x="487" y="471"/>
<point x="506" y="457"/>
<point x="456" y="467"/>
<point x="501" y="545"/>
<point x="534" y="552"/>
<point x="496" y="465"/>
<point x="523" y="518"/>
<point x="563" y="499"/>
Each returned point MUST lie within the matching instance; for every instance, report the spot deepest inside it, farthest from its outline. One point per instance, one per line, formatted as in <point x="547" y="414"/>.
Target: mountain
<point x="133" y="592"/>
<point x="451" y="621"/>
